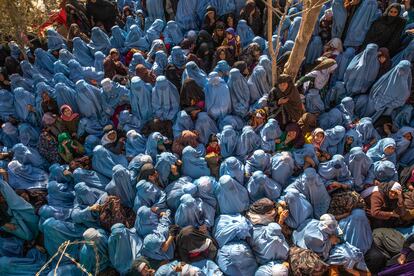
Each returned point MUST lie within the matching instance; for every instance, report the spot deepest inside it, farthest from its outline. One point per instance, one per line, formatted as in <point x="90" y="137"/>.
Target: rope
<point x="62" y="252"/>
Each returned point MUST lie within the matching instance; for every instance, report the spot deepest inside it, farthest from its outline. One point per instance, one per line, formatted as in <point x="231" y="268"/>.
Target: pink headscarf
<point x="65" y="118"/>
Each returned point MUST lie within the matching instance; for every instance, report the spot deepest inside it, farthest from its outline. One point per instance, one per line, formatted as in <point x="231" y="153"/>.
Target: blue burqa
<point x="178" y="57"/>
<point x="149" y="195"/>
<point x="136" y="39"/>
<point x="155" y="9"/>
<point x="83" y="52"/>
<point x="360" y="23"/>
<point x="234" y="168"/>
<point x="227" y="141"/>
<point x="311" y="185"/>
<point x="140" y="99"/>
<point x="22" y="98"/>
<point x="384" y="171"/>
<point x="236" y="258"/>
<point x="258" y="161"/>
<point x="282" y="167"/>
<point x="217" y="97"/>
<point x="314" y="50"/>
<point x="248" y="142"/>
<point x="6" y="104"/>
<point x="26" y="176"/>
<point x="314" y="235"/>
<point x="294" y="28"/>
<point x="99" y="41"/>
<point x="335" y="170"/>
<point x="367" y="132"/>
<point x="137" y="58"/>
<point x="187" y="15"/>
<point x="362" y="71"/>
<point x="57" y="232"/>
<point x="88" y="100"/>
<point x="227" y="189"/>
<point x="155" y="30"/>
<point x="22" y="214"/>
<point x="104" y="160"/>
<point x="99" y="61"/>
<point x="390" y="91"/>
<point x="269" y="133"/>
<point x="87" y="253"/>
<point x="377" y="153"/>
<point x="121" y="186"/>
<point x="359" y="165"/>
<point x="314" y="102"/>
<point x="118" y="38"/>
<point x="258" y="84"/>
<point x="194" y="165"/>
<point x="178" y="188"/>
<point x="239" y="93"/>
<point x="205" y="126"/>
<point x="124" y="247"/>
<point x="165" y="99"/>
<point x="44" y="62"/>
<point x="194" y="72"/>
<point x="343" y="60"/>
<point x="182" y="122"/>
<point x="333" y="141"/>
<point x="357" y="230"/>
<point x="160" y="63"/>
<point x="146" y="221"/>
<point x="299" y="208"/>
<point x="339" y="18"/>
<point x="23" y="265"/>
<point x="152" y="247"/>
<point x="190" y="212"/>
<point x="231" y="228"/>
<point x="163" y="166"/>
<point x="406" y="54"/>
<point x="260" y="186"/>
<point x="268" y="243"/>
<point x="245" y="33"/>
<point x="173" y="34"/>
<point x="54" y="40"/>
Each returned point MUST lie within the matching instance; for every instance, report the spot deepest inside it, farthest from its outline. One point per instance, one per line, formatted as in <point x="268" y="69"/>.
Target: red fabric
<point x="215" y="150"/>
<point x="56" y="17"/>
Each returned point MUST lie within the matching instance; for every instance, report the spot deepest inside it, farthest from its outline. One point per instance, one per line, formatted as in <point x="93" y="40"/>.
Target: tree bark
<point x="270" y="40"/>
<point x="310" y="16"/>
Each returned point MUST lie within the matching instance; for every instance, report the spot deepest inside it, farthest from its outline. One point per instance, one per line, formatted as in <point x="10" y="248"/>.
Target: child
<point x="213" y="155"/>
<point x="232" y="41"/>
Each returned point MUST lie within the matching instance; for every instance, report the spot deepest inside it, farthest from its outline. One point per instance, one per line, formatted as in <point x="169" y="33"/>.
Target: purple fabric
<point x="401" y="270"/>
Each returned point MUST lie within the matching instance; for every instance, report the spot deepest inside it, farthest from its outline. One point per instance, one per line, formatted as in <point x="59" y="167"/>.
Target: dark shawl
<point x="291" y="111"/>
<point x="145" y="74"/>
<point x="386" y="66"/>
<point x="190" y="91"/>
<point x="191" y="238"/>
<point x="386" y="31"/>
<point x="262" y="206"/>
<point x="299" y="141"/>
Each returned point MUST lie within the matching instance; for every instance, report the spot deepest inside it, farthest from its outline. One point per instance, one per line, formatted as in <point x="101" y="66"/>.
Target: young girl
<point x="213" y="155"/>
<point x="232" y="41"/>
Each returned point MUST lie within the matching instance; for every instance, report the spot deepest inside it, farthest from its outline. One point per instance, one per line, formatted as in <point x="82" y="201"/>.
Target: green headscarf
<point x="64" y="136"/>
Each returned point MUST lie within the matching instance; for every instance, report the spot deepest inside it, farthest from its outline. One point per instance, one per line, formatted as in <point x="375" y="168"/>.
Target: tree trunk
<point x="310" y="16"/>
<point x="270" y="41"/>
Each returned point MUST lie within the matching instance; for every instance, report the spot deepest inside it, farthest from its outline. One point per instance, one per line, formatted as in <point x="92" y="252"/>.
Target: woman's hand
<point x="95" y="208"/>
<point x="283" y="216"/>
<point x="334" y="239"/>
<point x="282" y="101"/>
<point x="402" y="259"/>
<point x="393" y="214"/>
<point x="203" y="228"/>
<point x="10" y="227"/>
